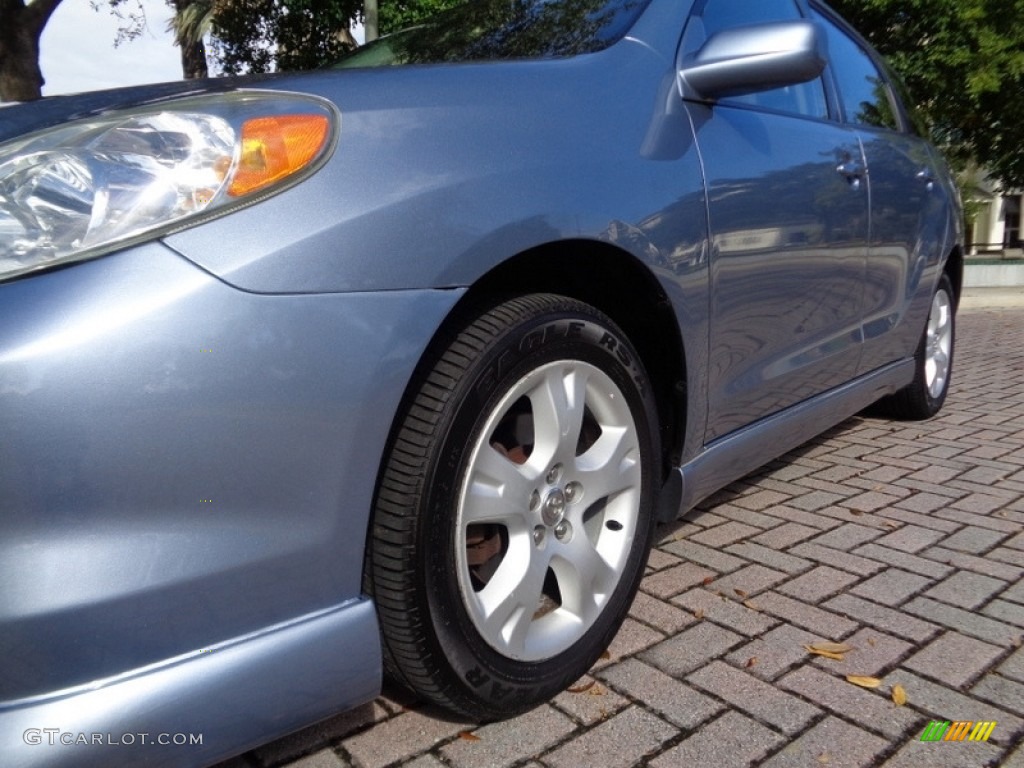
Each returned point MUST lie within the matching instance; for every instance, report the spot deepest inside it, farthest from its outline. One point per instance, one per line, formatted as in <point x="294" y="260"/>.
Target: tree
<point x="963" y="63"/>
<point x="398" y="14"/>
<point x="268" y="35"/>
<point x="21" y="26"/>
<point x="371" y="21"/>
<point x="304" y="33"/>
<point x="191" y="23"/>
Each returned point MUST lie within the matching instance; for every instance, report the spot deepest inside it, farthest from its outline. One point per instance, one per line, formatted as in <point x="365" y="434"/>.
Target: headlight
<point x="87" y="187"/>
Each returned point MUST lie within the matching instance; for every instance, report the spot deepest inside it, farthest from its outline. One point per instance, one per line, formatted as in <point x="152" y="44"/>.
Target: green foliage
<point x="193" y="22"/>
<point x="269" y="35"/>
<point x="399" y="14"/>
<point x="272" y="35"/>
<point x="963" y="62"/>
<point x="275" y="35"/>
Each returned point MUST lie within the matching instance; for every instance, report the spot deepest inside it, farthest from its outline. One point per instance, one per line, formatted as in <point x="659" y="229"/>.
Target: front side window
<point x="863" y="90"/>
<point x="490" y="30"/>
<point x="713" y="16"/>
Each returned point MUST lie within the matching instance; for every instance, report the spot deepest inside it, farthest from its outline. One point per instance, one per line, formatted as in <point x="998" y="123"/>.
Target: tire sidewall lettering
<point x="557" y="333"/>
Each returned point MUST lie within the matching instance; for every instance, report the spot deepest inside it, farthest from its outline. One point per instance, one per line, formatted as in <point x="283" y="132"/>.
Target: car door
<point x="788" y="221"/>
<point x="909" y="203"/>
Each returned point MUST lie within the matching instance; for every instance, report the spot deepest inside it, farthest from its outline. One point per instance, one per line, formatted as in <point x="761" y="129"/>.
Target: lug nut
<point x="563" y="530"/>
<point x="538" y="535"/>
<point x="573" y="492"/>
<point x="553" y="474"/>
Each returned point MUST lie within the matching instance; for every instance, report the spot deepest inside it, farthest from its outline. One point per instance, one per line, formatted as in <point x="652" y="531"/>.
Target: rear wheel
<point x="515" y="510"/>
<point x="924" y="396"/>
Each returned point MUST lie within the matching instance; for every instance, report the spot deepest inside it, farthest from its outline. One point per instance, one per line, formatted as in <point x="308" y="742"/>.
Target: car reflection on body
<point x="396" y="365"/>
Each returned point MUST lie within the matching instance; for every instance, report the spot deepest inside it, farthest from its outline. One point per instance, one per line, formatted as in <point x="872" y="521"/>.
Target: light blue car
<point x="395" y="366"/>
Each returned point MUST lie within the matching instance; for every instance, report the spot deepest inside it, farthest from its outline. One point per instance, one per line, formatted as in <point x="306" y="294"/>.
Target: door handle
<point x="853" y="172"/>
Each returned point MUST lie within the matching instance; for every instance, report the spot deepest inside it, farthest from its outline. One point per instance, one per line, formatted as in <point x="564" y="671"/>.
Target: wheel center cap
<point x="554" y="507"/>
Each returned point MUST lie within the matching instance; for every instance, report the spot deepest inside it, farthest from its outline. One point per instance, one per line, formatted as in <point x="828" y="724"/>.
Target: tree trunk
<point x="193" y="61"/>
<point x="370" y="20"/>
<point x="193" y="55"/>
<point x="21" y="26"/>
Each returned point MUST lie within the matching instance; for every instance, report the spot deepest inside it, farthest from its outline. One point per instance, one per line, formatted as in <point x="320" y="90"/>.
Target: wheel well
<point x="955" y="269"/>
<point x="619" y="285"/>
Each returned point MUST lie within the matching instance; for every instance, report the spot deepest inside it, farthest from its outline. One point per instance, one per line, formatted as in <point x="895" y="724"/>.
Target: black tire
<point x="432" y="569"/>
<point x="933" y="361"/>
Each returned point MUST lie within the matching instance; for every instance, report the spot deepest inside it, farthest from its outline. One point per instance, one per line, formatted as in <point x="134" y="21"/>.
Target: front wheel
<point x="515" y="509"/>
<point x="924" y="396"/>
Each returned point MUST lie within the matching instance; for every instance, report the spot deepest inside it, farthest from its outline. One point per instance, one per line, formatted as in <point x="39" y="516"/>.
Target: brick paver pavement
<point x="905" y="541"/>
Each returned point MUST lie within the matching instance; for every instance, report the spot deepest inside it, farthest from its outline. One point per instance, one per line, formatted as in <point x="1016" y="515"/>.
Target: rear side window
<point x="711" y="16"/>
<point x="863" y="90"/>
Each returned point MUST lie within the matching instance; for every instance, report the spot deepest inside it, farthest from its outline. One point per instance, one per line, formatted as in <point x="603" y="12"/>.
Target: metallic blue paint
<point x="744" y="450"/>
<point x="309" y="668"/>
<point x="184" y="465"/>
<point x="192" y="428"/>
<point x="418" y="145"/>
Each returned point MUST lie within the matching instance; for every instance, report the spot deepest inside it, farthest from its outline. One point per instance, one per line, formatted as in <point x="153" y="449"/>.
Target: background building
<point x="996" y="229"/>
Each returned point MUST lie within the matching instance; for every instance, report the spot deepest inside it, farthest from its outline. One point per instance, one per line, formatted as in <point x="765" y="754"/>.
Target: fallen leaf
<point x="856" y="512"/>
<point x="899" y="695"/>
<point x="829" y="650"/>
<point x="864" y="682"/>
<point x="891" y="524"/>
<point x="752" y="605"/>
<point x="605" y="655"/>
<point x="872" y="641"/>
<point x="597" y="690"/>
<point x="582" y="687"/>
<point x="751" y="662"/>
<point x="708" y="580"/>
<point x="1003" y="513"/>
<point x="698" y="614"/>
<point x="825" y="645"/>
<point x="824" y="758"/>
<point x="740" y="592"/>
<point x="467" y="736"/>
<point x="826" y="654"/>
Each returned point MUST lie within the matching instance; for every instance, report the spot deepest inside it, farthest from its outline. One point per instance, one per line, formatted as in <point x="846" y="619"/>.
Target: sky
<point x="77" y="50"/>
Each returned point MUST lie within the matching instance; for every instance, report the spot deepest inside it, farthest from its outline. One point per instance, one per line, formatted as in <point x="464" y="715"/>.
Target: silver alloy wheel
<point x="566" y="511"/>
<point x="938" y="344"/>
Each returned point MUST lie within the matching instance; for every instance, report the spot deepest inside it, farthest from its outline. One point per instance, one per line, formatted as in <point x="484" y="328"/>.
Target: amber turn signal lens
<point x="276" y="147"/>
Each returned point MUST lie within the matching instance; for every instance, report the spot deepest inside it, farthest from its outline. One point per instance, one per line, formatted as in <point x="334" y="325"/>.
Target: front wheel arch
<point x="623" y="287"/>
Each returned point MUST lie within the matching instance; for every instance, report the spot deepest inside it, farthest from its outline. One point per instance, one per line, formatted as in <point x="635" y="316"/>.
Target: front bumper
<point x="183" y="463"/>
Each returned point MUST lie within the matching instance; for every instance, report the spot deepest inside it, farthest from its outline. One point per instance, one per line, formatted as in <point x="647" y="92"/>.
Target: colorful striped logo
<point x="960" y="730"/>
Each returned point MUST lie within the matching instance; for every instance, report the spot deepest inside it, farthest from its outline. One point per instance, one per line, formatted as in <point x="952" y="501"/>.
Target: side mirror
<point x="755" y="58"/>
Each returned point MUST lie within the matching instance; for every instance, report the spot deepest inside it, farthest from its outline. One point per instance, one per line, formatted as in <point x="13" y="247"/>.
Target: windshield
<point x="486" y="30"/>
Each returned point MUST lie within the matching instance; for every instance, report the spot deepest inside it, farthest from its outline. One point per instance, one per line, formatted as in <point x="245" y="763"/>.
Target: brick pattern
<point x="905" y="541"/>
